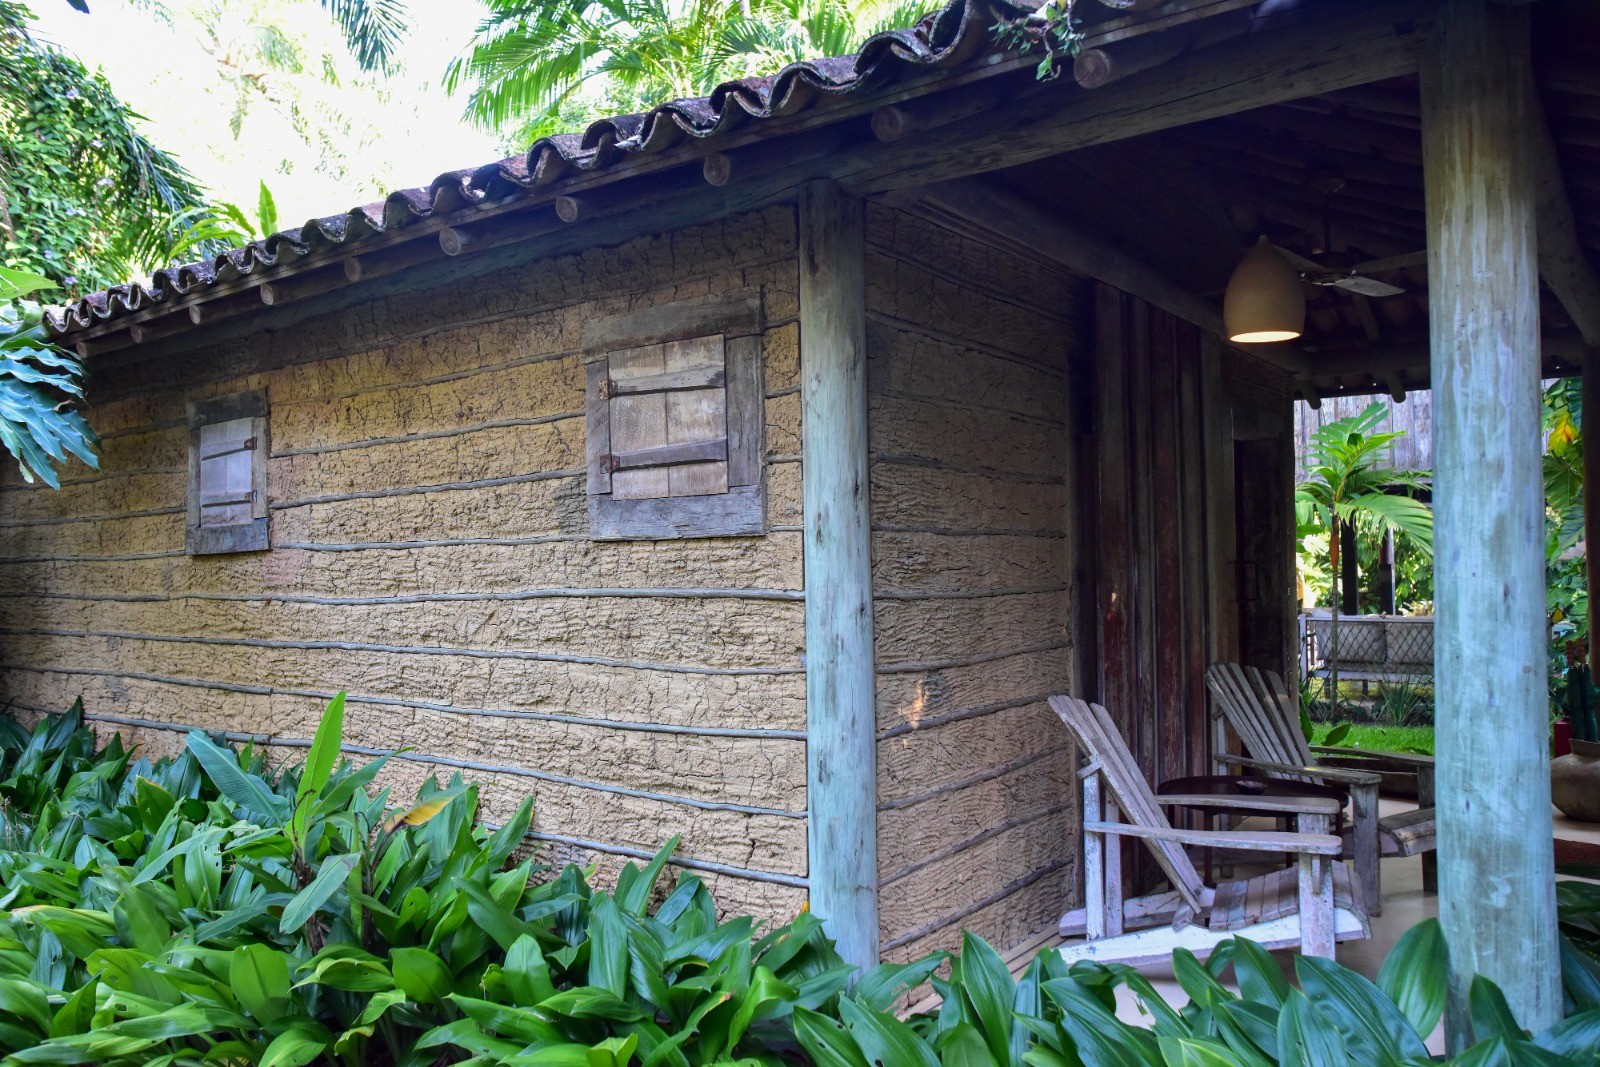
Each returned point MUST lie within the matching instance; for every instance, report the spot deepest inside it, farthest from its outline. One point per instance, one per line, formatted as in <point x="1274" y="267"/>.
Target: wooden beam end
<point x="717" y="168"/>
<point x="890" y="123"/>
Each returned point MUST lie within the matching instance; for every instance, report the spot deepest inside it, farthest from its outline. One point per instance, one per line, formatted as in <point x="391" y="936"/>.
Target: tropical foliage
<point x="65" y="140"/>
<point x="206" y="909"/>
<point x="537" y="67"/>
<point x="1566" y="580"/>
<point x="1347" y="482"/>
<point x="38" y="383"/>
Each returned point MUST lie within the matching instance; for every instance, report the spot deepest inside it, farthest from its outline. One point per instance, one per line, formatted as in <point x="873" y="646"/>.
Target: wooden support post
<point x="1496" y="870"/>
<point x="841" y="731"/>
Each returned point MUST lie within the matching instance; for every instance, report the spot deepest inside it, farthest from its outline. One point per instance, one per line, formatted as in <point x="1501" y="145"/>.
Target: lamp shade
<point x="1265" y="300"/>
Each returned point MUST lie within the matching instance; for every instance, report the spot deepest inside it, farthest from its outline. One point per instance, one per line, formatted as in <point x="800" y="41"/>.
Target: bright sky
<point x="179" y="70"/>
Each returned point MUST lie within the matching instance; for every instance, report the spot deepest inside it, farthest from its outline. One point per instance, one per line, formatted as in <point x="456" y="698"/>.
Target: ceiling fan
<point x="1340" y="270"/>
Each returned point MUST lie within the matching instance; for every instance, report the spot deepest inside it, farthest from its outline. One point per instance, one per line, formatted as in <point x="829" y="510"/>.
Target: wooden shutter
<point x="674" y="423"/>
<point x="668" y="416"/>
<point x="228" y="475"/>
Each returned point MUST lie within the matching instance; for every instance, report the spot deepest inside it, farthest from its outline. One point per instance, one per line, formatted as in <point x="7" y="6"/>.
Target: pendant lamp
<point x="1265" y="300"/>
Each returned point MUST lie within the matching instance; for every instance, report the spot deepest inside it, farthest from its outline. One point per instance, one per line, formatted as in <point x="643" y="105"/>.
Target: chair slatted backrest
<point x="1256" y="704"/>
<point x="1098" y="735"/>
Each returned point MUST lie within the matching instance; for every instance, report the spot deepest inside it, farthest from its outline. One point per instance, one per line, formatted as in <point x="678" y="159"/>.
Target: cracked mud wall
<point x="968" y="347"/>
<point x="431" y="555"/>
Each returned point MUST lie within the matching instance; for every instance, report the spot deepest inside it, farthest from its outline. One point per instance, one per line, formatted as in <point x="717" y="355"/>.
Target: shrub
<point x="204" y="910"/>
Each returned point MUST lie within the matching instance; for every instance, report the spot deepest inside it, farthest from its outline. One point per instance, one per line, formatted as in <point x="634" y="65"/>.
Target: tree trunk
<point x="1331" y="654"/>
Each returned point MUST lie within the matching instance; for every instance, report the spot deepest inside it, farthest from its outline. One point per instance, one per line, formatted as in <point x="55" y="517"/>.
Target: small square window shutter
<point x="674" y="417"/>
<point x="228" y="475"/>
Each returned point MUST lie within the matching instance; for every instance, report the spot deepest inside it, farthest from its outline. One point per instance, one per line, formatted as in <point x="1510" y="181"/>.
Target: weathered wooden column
<point x="841" y="741"/>
<point x="1496" y="876"/>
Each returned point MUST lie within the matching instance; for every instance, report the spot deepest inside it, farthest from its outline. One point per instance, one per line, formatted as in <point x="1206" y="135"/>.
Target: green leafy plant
<point x="1345" y="482"/>
<point x="208" y="909"/>
<point x="84" y="195"/>
<point x="537" y="69"/>
<point x="1403" y="703"/>
<point x="1052" y="29"/>
<point x="38" y="384"/>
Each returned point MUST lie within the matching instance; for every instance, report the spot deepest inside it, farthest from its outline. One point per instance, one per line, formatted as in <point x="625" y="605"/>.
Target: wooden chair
<point x="1266" y="718"/>
<point x="1313" y="905"/>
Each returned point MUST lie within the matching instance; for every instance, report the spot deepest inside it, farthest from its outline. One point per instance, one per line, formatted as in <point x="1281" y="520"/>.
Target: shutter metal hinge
<point x="610" y="464"/>
<point x="608" y="389"/>
<point x="249" y="444"/>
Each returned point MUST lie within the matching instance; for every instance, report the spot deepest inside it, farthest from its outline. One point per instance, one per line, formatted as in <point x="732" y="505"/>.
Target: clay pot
<point x="1575" y="781"/>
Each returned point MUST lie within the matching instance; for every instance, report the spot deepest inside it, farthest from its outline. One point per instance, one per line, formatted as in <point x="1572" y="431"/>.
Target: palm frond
<point x="372" y="28"/>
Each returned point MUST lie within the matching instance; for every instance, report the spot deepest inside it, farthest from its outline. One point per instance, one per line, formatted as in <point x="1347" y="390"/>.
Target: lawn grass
<point x="1382" y="738"/>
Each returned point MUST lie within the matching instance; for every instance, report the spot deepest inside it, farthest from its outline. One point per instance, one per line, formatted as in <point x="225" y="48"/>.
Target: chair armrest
<point x="1288" y="805"/>
<point x="1409" y="760"/>
<point x="1329" y="774"/>
<point x="1265" y="841"/>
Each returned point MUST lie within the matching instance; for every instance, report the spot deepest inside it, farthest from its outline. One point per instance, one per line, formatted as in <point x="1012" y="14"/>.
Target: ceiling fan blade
<point x="1378" y="266"/>
<point x="1355" y="283"/>
<point x="1299" y="262"/>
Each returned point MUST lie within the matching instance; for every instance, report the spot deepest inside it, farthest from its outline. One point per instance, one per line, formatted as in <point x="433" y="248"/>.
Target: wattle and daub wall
<point x="431" y="555"/>
<point x="969" y="348"/>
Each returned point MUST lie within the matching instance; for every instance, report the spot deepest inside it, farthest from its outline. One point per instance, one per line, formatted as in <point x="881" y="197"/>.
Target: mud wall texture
<point x="431" y="554"/>
<point x="968" y="352"/>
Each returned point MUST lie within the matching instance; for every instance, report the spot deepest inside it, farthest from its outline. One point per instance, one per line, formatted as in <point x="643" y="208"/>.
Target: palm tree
<point x="1347" y="484"/>
<point x="539" y="66"/>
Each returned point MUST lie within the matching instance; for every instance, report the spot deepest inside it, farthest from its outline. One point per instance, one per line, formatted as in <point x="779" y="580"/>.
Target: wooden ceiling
<point x="1343" y="172"/>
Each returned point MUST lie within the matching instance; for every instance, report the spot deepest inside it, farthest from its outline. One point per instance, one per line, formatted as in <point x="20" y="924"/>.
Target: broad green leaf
<point x="139" y="921"/>
<point x="963" y="1046"/>
<point x="884" y="1039"/>
<point x="245" y="790"/>
<point x="15" y="283"/>
<point x="1373" y="1029"/>
<point x="1260" y="977"/>
<point x="421" y="975"/>
<point x="1575" y="1035"/>
<point x="1201" y="985"/>
<point x="636" y="896"/>
<point x="1491" y="1015"/>
<point x="526" y="973"/>
<point x="297" y="1046"/>
<point x="469" y="1035"/>
<point x="826" y="1040"/>
<point x="330" y="878"/>
<point x="1580" y="975"/>
<point x="380" y="1003"/>
<point x="1306" y="1038"/>
<point x="880" y="985"/>
<point x="988" y="987"/>
<point x="23" y="1000"/>
<point x="614" y="1052"/>
<point x="608" y="946"/>
<point x="1415" y="975"/>
<point x="320" y="760"/>
<point x="1195" y="1052"/>
<point x="259" y="975"/>
<point x="506" y="839"/>
<point x="266" y="211"/>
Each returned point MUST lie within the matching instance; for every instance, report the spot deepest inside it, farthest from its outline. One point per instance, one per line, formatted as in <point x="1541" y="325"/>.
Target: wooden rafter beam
<point x="984" y="206"/>
<point x="1563" y="263"/>
<point x="1326" y="51"/>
